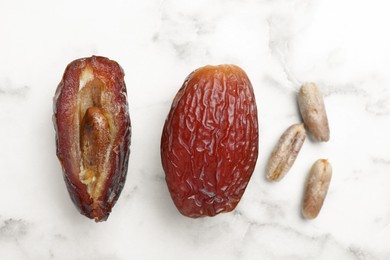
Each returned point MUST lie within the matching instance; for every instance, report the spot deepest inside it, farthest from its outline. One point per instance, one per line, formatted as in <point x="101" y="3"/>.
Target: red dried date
<point x="93" y="134"/>
<point x="209" y="144"/>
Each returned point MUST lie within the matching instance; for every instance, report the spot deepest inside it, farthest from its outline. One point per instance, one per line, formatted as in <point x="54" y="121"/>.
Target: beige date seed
<point x="95" y="143"/>
<point x="312" y="107"/>
<point x="316" y="188"/>
<point x="286" y="151"/>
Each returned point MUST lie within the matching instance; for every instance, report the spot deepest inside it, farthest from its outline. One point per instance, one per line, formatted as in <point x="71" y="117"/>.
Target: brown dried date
<point x="93" y="134"/>
<point x="209" y="144"/>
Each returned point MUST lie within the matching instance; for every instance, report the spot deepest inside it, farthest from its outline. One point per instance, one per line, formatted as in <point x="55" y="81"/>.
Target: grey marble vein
<point x="13" y="229"/>
<point x="14" y="92"/>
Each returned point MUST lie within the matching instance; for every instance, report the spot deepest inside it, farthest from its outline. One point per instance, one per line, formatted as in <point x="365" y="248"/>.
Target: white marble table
<point x="343" y="46"/>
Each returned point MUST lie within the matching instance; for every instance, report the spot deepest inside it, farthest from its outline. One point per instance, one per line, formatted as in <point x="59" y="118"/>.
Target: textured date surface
<point x="93" y="134"/>
<point x="209" y="143"/>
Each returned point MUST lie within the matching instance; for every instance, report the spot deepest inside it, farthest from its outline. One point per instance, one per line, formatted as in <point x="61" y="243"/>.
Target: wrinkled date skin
<point x="209" y="144"/>
<point x="93" y="134"/>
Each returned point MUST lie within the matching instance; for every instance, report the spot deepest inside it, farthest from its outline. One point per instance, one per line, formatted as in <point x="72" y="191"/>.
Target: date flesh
<point x="93" y="134"/>
<point x="209" y="144"/>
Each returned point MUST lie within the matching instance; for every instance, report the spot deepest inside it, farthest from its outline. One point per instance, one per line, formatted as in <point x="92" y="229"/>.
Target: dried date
<point x="93" y="134"/>
<point x="209" y="144"/>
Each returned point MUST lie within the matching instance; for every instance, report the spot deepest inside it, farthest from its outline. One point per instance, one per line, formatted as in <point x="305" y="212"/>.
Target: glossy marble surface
<point x="343" y="46"/>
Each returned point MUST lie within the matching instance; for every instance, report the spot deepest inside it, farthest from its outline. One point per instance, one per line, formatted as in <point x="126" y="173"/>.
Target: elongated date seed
<point x="93" y="133"/>
<point x="209" y="143"/>
<point x="285" y="152"/>
<point x="312" y="107"/>
<point x="316" y="188"/>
